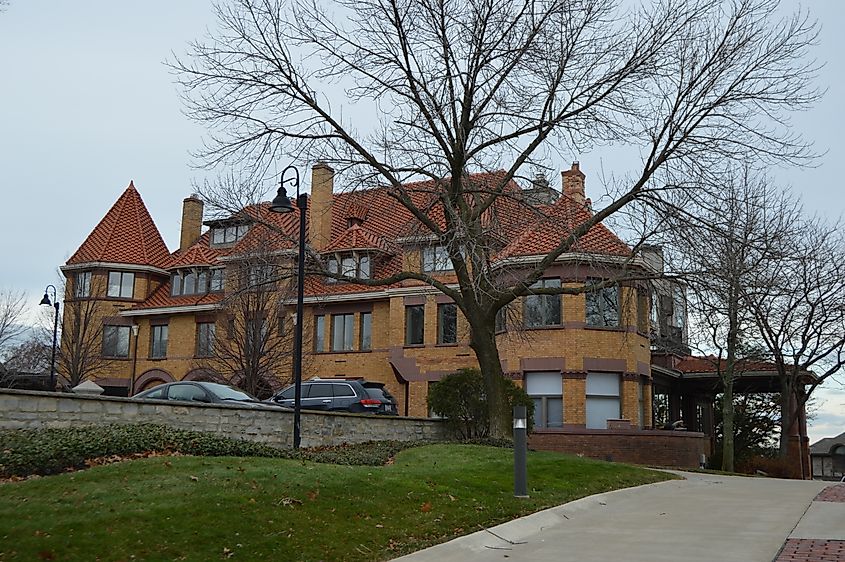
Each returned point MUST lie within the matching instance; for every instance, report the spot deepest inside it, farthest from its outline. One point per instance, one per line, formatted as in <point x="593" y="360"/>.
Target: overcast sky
<point x="86" y="105"/>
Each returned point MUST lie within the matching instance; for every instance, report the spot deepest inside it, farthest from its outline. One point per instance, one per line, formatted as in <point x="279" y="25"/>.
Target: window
<point x="121" y="284"/>
<point x="436" y="258"/>
<point x="364" y="267"/>
<point x="116" y="341"/>
<point x="347" y="266"/>
<point x="189" y="283"/>
<point x="447" y="323"/>
<point x="256" y="336"/>
<point x="176" y="284"/>
<point x="642" y="310"/>
<point x="546" y="391"/>
<point x="602" y="399"/>
<point x="216" y="284"/>
<point x="414" y="324"/>
<point x="228" y="234"/>
<point x="502" y="320"/>
<point x="158" y="341"/>
<point x="82" y="284"/>
<point x="342" y="336"/>
<point x="205" y="339"/>
<point x="259" y="274"/>
<point x="659" y="407"/>
<point x="602" y="305"/>
<point x="542" y="310"/>
<point x="319" y="333"/>
<point x="366" y="331"/>
<point x="679" y="308"/>
<point x="350" y="265"/>
<point x="188" y="393"/>
<point x="641" y="404"/>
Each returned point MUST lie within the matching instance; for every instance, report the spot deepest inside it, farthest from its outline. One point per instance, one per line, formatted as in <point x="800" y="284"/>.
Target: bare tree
<point x="721" y="242"/>
<point x="253" y="344"/>
<point x="12" y="306"/>
<point x="80" y="351"/>
<point x="800" y="314"/>
<point x="456" y="87"/>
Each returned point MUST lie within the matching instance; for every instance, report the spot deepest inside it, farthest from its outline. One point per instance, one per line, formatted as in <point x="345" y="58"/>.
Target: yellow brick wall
<point x="572" y="343"/>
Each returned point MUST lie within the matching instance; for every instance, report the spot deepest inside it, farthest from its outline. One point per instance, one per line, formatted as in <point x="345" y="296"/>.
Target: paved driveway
<point x="703" y="517"/>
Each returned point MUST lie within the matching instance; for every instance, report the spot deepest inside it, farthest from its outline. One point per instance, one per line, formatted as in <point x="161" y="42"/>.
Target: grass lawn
<point x="206" y="508"/>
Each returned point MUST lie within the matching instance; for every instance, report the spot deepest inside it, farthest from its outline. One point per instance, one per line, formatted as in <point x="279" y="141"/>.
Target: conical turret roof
<point x="127" y="234"/>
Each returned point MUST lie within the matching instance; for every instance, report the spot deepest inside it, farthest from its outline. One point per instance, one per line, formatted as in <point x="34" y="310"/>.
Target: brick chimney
<point x="573" y="183"/>
<point x="191" y="221"/>
<point x="322" y="188"/>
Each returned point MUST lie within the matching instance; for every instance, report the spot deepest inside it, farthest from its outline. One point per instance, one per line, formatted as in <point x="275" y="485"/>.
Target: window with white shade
<point x="546" y="391"/>
<point x="603" y="399"/>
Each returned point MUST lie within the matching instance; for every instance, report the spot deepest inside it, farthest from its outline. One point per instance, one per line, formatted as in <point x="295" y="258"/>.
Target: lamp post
<point x="55" y="303"/>
<point x="282" y="204"/>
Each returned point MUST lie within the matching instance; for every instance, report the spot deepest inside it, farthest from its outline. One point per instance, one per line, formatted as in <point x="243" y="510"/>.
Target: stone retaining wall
<point x="679" y="449"/>
<point x="23" y="409"/>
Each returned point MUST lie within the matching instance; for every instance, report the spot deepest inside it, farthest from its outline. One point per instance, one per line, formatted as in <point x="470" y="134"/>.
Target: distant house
<point x="828" y="458"/>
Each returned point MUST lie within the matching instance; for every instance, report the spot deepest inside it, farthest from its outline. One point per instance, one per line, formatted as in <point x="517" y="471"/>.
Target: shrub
<point x="770" y="466"/>
<point x="461" y="400"/>
<point x="51" y="451"/>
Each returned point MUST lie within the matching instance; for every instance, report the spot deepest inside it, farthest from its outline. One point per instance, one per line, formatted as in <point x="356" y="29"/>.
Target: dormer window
<point x="436" y="258"/>
<point x="353" y="264"/>
<point x="196" y="281"/>
<point x="224" y="235"/>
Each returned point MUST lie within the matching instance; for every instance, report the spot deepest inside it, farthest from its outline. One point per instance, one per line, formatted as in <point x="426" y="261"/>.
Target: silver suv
<point x="341" y="395"/>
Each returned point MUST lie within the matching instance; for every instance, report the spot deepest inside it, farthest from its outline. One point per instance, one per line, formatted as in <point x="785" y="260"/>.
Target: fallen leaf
<point x="426" y="507"/>
<point x="195" y="479"/>
<point x="451" y="497"/>
<point x="379" y="526"/>
<point x="312" y="495"/>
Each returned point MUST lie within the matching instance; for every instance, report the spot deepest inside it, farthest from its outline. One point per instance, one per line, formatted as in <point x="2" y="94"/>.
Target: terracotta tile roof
<point x="372" y="219"/>
<point x="557" y="222"/>
<point x="161" y="298"/>
<point x="198" y="254"/>
<point x="697" y="364"/>
<point x="356" y="237"/>
<point x="126" y="234"/>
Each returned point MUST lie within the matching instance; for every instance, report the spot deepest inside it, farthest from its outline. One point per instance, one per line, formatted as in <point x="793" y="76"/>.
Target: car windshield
<point x="225" y="392"/>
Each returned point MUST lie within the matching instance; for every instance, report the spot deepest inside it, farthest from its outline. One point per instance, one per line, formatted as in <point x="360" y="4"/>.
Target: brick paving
<point x="812" y="550"/>
<point x="832" y="494"/>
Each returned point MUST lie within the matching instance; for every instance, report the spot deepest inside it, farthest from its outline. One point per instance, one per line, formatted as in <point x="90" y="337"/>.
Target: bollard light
<point x="520" y="452"/>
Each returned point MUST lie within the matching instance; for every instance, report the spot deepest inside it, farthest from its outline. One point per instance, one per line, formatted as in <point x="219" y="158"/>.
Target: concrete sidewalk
<point x="703" y="517"/>
<point x="820" y="535"/>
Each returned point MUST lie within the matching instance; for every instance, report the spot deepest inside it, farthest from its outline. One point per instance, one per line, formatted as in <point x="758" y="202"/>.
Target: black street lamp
<point x="55" y="304"/>
<point x="282" y="204"/>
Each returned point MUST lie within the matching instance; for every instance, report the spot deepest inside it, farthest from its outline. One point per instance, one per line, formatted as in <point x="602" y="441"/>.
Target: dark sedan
<point x="204" y="392"/>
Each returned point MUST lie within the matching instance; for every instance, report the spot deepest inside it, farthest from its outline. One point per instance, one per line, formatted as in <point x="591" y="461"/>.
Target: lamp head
<point x="281" y="203"/>
<point x="46" y="300"/>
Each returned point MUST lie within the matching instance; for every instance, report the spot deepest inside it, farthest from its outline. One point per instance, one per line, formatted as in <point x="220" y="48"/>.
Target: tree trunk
<point x="483" y="343"/>
<point x="787" y="417"/>
<point x="728" y="426"/>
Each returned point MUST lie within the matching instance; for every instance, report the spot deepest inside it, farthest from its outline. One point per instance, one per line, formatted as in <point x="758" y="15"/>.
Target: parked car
<point x="205" y="392"/>
<point x="340" y="395"/>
